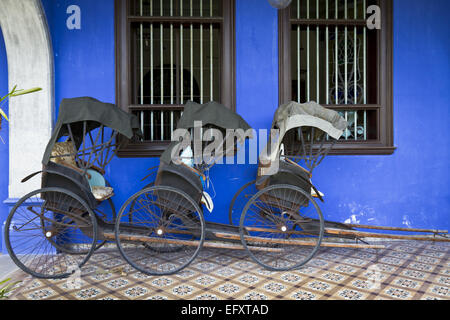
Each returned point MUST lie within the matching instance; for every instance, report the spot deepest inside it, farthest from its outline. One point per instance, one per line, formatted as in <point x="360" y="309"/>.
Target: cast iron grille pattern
<point x="178" y="52"/>
<point x="335" y="60"/>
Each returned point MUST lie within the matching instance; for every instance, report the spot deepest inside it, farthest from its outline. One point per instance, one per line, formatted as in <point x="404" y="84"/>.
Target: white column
<point x="30" y="64"/>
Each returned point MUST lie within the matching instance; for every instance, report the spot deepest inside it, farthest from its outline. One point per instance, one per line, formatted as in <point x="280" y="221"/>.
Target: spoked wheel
<point x="239" y="200"/>
<point x="51" y="233"/>
<point x="131" y="206"/>
<point x="162" y="232"/>
<point x="102" y="212"/>
<point x="285" y="218"/>
<point x="154" y="246"/>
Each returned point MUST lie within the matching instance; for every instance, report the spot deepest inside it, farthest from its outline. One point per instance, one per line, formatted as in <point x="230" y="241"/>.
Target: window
<point x="169" y="52"/>
<point x="329" y="55"/>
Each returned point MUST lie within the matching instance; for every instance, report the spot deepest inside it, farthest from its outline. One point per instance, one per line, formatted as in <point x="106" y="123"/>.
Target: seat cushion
<point x="98" y="186"/>
<point x="96" y="179"/>
<point x="102" y="193"/>
<point x="63" y="153"/>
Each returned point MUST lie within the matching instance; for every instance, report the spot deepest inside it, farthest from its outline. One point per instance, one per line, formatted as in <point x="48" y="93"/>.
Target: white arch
<point x="30" y="64"/>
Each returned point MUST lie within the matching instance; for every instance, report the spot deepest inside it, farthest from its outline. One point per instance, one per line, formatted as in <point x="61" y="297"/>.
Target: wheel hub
<point x="48" y="234"/>
<point x="159" y="231"/>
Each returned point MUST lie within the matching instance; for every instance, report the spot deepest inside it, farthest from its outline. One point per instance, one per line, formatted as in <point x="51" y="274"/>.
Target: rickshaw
<point x="53" y="231"/>
<point x="279" y="208"/>
<point x="169" y="211"/>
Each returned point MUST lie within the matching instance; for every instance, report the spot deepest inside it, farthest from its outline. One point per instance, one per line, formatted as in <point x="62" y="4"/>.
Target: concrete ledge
<point x="10" y="201"/>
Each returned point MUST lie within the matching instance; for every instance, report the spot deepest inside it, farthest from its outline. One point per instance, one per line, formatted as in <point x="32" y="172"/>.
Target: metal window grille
<point x="331" y="62"/>
<point x="175" y="54"/>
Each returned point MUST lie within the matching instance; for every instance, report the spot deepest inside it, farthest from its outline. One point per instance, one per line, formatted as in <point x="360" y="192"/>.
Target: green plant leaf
<point x="15" y="93"/>
<point x="4" y="115"/>
<point x="22" y="92"/>
<point x="4" y="97"/>
<point x="7" y="288"/>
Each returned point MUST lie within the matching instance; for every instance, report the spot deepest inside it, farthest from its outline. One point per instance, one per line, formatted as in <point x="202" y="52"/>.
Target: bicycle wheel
<point x="285" y="218"/>
<point x="50" y="233"/>
<point x="239" y="200"/>
<point x="162" y="233"/>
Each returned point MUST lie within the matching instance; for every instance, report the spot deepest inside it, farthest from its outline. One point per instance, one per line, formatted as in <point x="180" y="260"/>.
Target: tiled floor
<point x="404" y="270"/>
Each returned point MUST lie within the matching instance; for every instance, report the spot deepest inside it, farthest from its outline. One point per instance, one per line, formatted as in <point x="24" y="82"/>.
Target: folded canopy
<point x="294" y="115"/>
<point x="210" y="114"/>
<point x="76" y="110"/>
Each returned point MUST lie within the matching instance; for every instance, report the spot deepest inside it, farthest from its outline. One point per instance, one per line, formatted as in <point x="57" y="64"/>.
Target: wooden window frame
<point x="384" y="145"/>
<point x="124" y="76"/>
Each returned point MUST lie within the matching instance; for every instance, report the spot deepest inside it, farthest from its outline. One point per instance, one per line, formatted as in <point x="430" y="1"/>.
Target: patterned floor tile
<point x="291" y="278"/>
<point x="397" y="293"/>
<point x="41" y="294"/>
<point x="183" y="290"/>
<point x="275" y="288"/>
<point x="439" y="291"/>
<point x="407" y="283"/>
<point x="206" y="296"/>
<point x="320" y="286"/>
<point x="415" y="274"/>
<point x="402" y="271"/>
<point x="254" y="295"/>
<point x="333" y="277"/>
<point x="249" y="279"/>
<point x="304" y="295"/>
<point x="87" y="293"/>
<point x="351" y="294"/>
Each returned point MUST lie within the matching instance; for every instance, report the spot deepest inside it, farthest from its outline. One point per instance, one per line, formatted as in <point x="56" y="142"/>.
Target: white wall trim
<point x="30" y="64"/>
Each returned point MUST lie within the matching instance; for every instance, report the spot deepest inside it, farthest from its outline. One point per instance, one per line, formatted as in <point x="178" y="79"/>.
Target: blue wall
<point x="4" y="159"/>
<point x="408" y="188"/>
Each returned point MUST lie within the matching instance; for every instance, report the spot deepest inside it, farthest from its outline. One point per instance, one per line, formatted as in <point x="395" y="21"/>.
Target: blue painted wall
<point x="408" y="188"/>
<point x="4" y="159"/>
